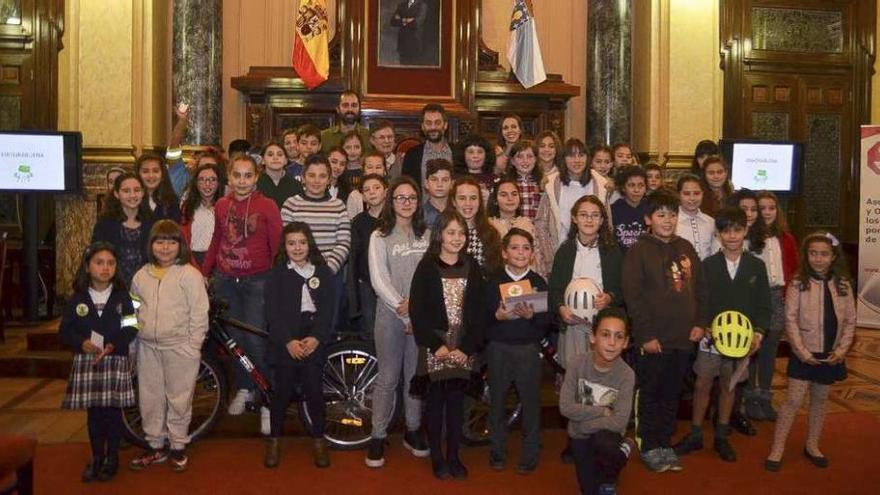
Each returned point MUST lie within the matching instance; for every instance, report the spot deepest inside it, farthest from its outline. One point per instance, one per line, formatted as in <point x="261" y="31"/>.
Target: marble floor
<point x="30" y="406"/>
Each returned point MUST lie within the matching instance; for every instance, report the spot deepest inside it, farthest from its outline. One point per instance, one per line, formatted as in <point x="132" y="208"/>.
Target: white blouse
<point x="699" y="230"/>
<point x="202" y="229"/>
<point x="771" y="255"/>
<point x="587" y="263"/>
<point x="306" y="271"/>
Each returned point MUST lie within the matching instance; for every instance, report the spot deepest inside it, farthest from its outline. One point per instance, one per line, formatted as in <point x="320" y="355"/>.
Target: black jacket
<point x="427" y="310"/>
<point x="517" y="331"/>
<point x="748" y="293"/>
<point x="563" y="265"/>
<point x="362" y="227"/>
<point x="80" y="318"/>
<point x="110" y="230"/>
<point x="283" y="295"/>
<point x="412" y="163"/>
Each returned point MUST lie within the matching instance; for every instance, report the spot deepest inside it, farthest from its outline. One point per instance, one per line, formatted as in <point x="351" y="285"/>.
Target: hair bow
<point x="834" y="241"/>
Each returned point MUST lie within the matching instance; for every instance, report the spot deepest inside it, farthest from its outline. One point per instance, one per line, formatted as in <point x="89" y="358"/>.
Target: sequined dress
<point x="453" y="297"/>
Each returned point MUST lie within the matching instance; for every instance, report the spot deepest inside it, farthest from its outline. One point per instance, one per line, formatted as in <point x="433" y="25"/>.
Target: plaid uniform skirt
<point x="109" y="384"/>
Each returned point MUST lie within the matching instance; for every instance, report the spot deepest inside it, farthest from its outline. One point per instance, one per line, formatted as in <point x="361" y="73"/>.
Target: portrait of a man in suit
<point x="409" y="33"/>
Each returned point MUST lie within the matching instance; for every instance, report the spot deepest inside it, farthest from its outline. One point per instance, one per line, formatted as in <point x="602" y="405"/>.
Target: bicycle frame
<point x="218" y="332"/>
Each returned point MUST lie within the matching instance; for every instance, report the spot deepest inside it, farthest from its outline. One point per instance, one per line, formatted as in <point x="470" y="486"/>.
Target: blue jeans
<point x="246" y="304"/>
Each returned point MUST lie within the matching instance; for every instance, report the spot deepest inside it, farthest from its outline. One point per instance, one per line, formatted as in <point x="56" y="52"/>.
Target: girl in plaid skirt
<point x="98" y="324"/>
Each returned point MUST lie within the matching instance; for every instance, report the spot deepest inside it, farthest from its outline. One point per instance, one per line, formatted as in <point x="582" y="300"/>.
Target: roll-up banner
<point x="869" y="229"/>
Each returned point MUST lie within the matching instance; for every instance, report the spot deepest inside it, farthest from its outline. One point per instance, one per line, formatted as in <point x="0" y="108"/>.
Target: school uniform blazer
<point x="427" y="310"/>
<point x="563" y="264"/>
<point x="283" y="294"/>
<point x="748" y="292"/>
<point x="80" y="318"/>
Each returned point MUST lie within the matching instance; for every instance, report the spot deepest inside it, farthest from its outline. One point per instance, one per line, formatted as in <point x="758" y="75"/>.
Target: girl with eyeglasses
<point x="395" y="249"/>
<point x="197" y="210"/>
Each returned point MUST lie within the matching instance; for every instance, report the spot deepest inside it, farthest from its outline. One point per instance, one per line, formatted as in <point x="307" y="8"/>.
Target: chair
<point x="405" y="144"/>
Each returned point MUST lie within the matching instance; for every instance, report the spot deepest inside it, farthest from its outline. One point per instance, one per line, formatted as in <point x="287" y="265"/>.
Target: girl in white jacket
<point x="561" y="189"/>
<point x="173" y="320"/>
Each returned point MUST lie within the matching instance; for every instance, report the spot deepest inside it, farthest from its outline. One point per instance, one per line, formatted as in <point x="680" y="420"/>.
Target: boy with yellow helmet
<point x="739" y="300"/>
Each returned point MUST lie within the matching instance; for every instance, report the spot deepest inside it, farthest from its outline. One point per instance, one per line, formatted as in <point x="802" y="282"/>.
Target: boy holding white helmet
<point x="737" y="282"/>
<point x="666" y="296"/>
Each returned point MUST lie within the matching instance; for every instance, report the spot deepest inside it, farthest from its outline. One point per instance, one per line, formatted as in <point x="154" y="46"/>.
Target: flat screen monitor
<point x="764" y="165"/>
<point x="40" y="161"/>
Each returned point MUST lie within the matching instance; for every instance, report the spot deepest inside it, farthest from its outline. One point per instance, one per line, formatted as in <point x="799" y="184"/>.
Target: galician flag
<point x="311" y="53"/>
<point x="523" y="50"/>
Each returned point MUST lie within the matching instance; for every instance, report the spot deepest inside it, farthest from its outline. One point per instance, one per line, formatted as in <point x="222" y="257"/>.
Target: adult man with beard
<point x="348" y="116"/>
<point x="434" y="125"/>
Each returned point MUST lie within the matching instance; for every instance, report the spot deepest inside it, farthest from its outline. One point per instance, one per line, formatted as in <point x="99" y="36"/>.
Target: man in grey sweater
<point x="596" y="397"/>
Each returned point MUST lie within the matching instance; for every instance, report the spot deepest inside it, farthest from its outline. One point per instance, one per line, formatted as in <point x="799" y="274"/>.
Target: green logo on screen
<point x="23" y="174"/>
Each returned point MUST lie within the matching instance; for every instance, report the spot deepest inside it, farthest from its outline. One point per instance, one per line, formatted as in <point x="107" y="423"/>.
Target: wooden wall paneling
<point x="829" y="135"/>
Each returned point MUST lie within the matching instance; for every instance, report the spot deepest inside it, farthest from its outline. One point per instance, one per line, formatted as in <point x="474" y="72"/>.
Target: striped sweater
<point x="329" y="222"/>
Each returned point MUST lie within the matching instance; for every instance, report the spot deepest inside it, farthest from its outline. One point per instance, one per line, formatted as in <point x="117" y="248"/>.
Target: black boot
<point x="741" y="423"/>
<point x="457" y="469"/>
<point x="92" y="470"/>
<point x="566" y="456"/>
<point x="109" y="468"/>
<point x="722" y="444"/>
<point x="439" y="466"/>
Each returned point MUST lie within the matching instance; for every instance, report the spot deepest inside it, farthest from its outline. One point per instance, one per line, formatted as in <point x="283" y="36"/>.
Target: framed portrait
<point x="410" y="48"/>
<point x="409" y="33"/>
<point x="10" y="12"/>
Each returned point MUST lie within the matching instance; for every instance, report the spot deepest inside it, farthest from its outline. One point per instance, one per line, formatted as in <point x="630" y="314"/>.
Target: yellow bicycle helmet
<point x="732" y="334"/>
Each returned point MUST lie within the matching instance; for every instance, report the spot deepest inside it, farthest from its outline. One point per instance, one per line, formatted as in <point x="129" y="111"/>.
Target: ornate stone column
<point x="197" y="67"/>
<point x="609" y="71"/>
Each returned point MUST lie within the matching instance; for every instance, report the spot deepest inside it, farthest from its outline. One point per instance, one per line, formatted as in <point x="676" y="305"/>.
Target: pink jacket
<point x="804" y="317"/>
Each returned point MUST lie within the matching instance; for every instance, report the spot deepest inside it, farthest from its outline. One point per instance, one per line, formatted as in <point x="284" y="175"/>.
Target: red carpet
<point x="235" y="466"/>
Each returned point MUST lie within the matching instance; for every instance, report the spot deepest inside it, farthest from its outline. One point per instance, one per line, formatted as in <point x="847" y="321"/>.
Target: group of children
<point x="281" y="243"/>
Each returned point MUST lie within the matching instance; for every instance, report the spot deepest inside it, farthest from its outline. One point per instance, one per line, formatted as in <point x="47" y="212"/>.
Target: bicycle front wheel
<point x="349" y="374"/>
<point x="208" y="398"/>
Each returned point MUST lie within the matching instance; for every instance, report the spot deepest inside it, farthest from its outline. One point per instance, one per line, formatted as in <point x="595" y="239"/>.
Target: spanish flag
<point x="311" y="54"/>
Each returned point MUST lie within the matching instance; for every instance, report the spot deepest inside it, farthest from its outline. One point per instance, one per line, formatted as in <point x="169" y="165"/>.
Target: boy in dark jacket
<point x="666" y="295"/>
<point x="737" y="282"/>
<point x="514" y="346"/>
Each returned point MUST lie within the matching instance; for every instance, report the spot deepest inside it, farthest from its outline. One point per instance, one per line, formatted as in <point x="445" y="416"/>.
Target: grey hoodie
<point x="393" y="260"/>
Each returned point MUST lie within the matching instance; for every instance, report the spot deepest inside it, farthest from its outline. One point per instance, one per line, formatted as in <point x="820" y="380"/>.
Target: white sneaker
<point x="236" y="405"/>
<point x="265" y="424"/>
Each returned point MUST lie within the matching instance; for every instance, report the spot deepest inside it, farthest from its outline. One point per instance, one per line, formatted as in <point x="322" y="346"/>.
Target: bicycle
<point x="350" y="370"/>
<point x="475" y="431"/>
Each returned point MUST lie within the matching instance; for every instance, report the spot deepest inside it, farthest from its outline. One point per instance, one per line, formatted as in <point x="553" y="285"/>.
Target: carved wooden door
<point x="801" y="71"/>
<point x="817" y="111"/>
